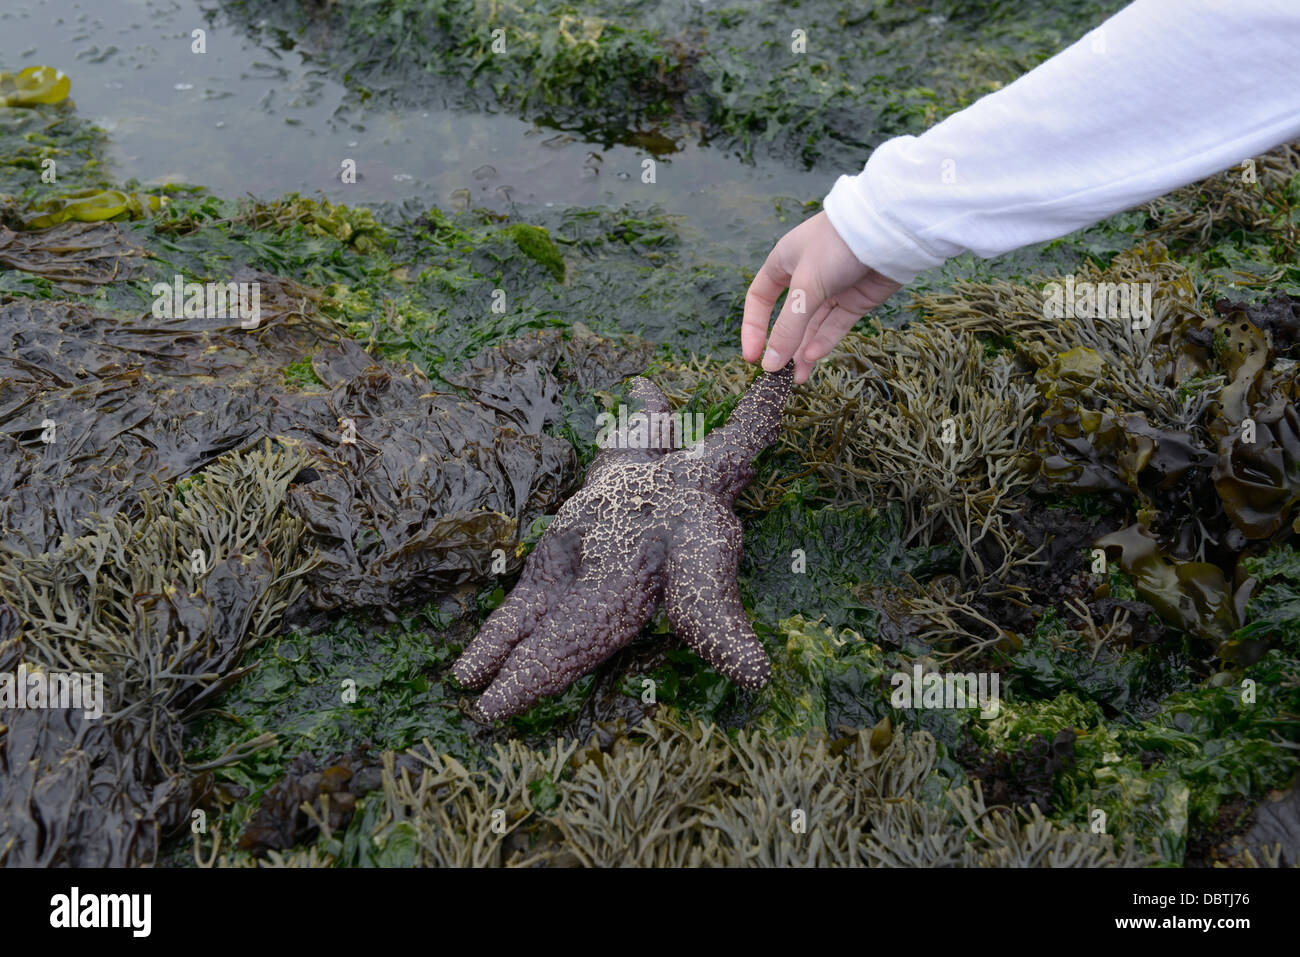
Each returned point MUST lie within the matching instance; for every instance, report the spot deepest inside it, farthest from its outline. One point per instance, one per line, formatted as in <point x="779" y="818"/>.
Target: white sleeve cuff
<point x="876" y="241"/>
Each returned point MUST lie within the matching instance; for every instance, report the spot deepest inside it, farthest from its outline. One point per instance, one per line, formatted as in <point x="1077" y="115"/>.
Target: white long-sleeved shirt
<point x="1164" y="93"/>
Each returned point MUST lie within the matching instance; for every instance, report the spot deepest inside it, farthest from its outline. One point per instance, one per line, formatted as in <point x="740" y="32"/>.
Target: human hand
<point x="836" y="291"/>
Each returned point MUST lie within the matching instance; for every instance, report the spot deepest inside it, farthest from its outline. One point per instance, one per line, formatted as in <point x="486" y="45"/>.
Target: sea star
<point x="649" y="526"/>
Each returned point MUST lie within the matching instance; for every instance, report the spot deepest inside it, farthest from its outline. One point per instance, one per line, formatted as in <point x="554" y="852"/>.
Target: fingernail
<point x="771" y="361"/>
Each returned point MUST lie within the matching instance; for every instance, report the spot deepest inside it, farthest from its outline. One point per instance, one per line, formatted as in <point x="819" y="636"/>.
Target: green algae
<point x="1162" y="777"/>
<point x="31" y="139"/>
<point x="800" y="557"/>
<point x="1273" y="608"/>
<point x="812" y="664"/>
<point x="839" y="681"/>
<point x="352" y="226"/>
<point x="442" y="287"/>
<point x="1056" y="660"/>
<point x="690" y="686"/>
<point x="556" y="711"/>
<point x="535" y="243"/>
<point x="92" y="206"/>
<point x="328" y="692"/>
<point x="1205" y="746"/>
<point x="1240" y="229"/>
<point x="300" y="374"/>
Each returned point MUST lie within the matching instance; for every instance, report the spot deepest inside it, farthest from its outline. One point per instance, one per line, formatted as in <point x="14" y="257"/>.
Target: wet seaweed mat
<point x="77" y="256"/>
<point x="145" y="541"/>
<point x="685" y="794"/>
<point x="1071" y="446"/>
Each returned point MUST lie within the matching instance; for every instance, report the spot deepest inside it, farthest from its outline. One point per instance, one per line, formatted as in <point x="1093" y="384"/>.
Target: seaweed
<point x="1160" y="690"/>
<point x="353" y="227"/>
<point x="76" y="257"/>
<point x="1205" y="211"/>
<point x="1125" y="681"/>
<point x="1025" y="777"/>
<point x="32" y="85"/>
<point x="31" y="138"/>
<point x="823" y="554"/>
<point x="1114" y="417"/>
<point x="671" y="793"/>
<point x="1162" y="779"/>
<point x="91" y="205"/>
<point x="280" y="823"/>
<point x="535" y="243"/>
<point x="1272" y="836"/>
<point x="812" y="669"/>
<point x="1272" y="608"/>
<point x="840" y="681"/>
<point x="426" y="514"/>
<point x="126" y="600"/>
<point x="133" y="416"/>
<point x="352" y="686"/>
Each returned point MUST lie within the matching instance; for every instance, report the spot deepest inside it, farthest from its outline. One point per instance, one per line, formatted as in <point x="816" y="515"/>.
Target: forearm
<point x="1166" y="93"/>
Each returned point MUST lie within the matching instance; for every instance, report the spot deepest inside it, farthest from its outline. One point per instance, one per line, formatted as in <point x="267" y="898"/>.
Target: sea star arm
<point x="547" y="575"/>
<point x="646" y="397"/>
<point x="587" y="625"/>
<point x="752" y="426"/>
<point x="703" y="603"/>
<point x="756" y="420"/>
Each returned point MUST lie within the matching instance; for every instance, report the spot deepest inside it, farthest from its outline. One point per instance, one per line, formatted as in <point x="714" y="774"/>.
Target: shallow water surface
<point x="256" y="114"/>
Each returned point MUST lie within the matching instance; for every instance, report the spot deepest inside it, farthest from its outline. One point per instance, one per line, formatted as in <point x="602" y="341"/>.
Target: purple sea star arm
<point x="547" y="575"/>
<point x="643" y="396"/>
<point x="588" y="625"/>
<point x="647" y="396"/>
<point x="756" y="421"/>
<point x="722" y="461"/>
<point x="703" y="601"/>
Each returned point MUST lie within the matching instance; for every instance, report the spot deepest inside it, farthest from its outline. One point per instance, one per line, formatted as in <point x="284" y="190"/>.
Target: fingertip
<point x="773" y="361"/>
